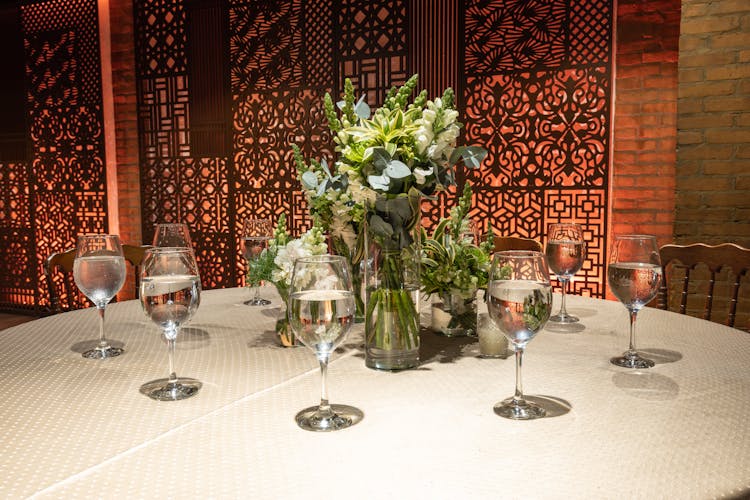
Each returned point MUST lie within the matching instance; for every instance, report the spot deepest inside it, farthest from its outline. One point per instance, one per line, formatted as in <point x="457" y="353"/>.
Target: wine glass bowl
<point x="255" y="236"/>
<point x="566" y="253"/>
<point x="170" y="294"/>
<point x="172" y="235"/>
<point x="321" y="312"/>
<point x="99" y="272"/>
<point x="634" y="275"/>
<point x="520" y="303"/>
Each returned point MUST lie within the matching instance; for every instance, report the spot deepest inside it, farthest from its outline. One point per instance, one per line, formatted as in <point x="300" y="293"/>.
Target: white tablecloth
<point x="73" y="427"/>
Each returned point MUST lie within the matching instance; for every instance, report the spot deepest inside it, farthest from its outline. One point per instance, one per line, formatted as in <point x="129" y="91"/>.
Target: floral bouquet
<point x="276" y="263"/>
<point x="388" y="161"/>
<point x="455" y="267"/>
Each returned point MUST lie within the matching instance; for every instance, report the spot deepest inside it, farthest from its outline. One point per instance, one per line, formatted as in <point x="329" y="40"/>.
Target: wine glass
<point x="566" y="251"/>
<point x="321" y="311"/>
<point x="255" y="236"/>
<point x="99" y="272"/>
<point x="520" y="302"/>
<point x="634" y="275"/>
<point x="172" y="235"/>
<point x="170" y="295"/>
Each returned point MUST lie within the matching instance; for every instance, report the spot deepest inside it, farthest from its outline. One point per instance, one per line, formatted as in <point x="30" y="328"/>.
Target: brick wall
<point x="713" y="122"/>
<point x="645" y="134"/>
<point x="126" y="129"/>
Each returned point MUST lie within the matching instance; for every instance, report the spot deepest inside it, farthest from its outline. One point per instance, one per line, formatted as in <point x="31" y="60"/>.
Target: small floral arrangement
<point x="276" y="264"/>
<point x="451" y="260"/>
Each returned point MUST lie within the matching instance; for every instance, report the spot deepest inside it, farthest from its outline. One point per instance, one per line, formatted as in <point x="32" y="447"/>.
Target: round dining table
<point x="79" y="428"/>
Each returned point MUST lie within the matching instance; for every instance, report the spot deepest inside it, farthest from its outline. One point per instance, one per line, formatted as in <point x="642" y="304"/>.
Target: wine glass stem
<point x="170" y="353"/>
<point x="324" y="408"/>
<point x="632" y="352"/>
<point x="564" y="286"/>
<point x="103" y="344"/>
<point x="518" y="396"/>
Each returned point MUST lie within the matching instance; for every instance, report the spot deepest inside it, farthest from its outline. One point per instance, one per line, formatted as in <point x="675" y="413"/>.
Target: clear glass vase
<point x="392" y="295"/>
<point x="455" y="314"/>
<point x="284" y="331"/>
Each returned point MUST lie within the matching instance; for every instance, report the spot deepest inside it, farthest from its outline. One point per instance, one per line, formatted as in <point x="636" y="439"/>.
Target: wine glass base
<point x="257" y="302"/>
<point x="164" y="390"/>
<point x="343" y="416"/>
<point x="631" y="361"/>
<point x="564" y="318"/>
<point x="103" y="352"/>
<point x="519" y="410"/>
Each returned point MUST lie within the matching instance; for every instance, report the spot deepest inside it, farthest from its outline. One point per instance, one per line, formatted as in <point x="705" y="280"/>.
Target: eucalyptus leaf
<point x="379" y="181"/>
<point x="309" y="180"/>
<point x="361" y="109"/>
<point x="397" y="170"/>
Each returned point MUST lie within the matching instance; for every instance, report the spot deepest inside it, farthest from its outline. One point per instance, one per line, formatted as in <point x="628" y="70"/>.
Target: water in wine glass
<point x="170" y="300"/>
<point x="520" y="308"/>
<point x="99" y="277"/>
<point x="321" y="318"/>
<point x="253" y="246"/>
<point x="170" y="294"/>
<point x="634" y="284"/>
<point x="321" y="312"/>
<point x="634" y="275"/>
<point x="565" y="257"/>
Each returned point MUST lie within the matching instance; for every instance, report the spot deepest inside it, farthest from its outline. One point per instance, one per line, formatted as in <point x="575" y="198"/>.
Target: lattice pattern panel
<point x="537" y="95"/>
<point x="588" y="208"/>
<point x="15" y="211"/>
<point x="61" y="191"/>
<point x="163" y="117"/>
<point x="590" y="32"/>
<point x="373" y="46"/>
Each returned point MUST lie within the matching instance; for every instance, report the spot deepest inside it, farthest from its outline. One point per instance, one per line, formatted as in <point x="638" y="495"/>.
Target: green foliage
<point x="261" y="269"/>
<point x="451" y="261"/>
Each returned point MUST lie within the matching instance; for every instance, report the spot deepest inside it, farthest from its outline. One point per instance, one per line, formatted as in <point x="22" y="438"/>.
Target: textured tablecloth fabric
<point x="73" y="427"/>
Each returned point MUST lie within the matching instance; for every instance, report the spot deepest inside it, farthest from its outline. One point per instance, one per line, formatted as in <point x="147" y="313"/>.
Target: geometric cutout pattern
<point x="15" y="211"/>
<point x="189" y="190"/>
<point x="588" y="208"/>
<point x="318" y="45"/>
<point x="544" y="129"/>
<point x="514" y="35"/>
<point x="374" y="76"/>
<point x="590" y="31"/>
<point x="265" y="45"/>
<point x="372" y="28"/>
<point x="61" y="38"/>
<point x="163" y="117"/>
<point x="160" y="37"/>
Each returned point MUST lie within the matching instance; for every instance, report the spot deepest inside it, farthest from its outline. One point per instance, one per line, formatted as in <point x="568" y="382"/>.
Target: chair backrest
<point x="58" y="269"/>
<point x="714" y="258"/>
<point x="503" y="243"/>
<point x="63" y="293"/>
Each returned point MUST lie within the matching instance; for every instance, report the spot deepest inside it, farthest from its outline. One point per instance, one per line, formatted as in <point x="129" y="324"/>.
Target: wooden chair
<point x="687" y="257"/>
<point x="503" y="243"/>
<point x="63" y="292"/>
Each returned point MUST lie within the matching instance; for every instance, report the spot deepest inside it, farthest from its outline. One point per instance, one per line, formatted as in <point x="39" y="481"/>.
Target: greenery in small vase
<point x="451" y="260"/>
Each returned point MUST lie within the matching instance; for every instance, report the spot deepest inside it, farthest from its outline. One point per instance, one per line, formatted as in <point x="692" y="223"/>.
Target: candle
<point x="492" y="342"/>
